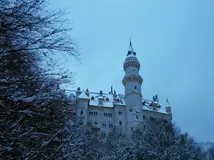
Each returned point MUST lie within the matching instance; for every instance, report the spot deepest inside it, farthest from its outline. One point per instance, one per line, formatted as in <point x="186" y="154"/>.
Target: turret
<point x="82" y="108"/>
<point x="78" y="92"/>
<point x="87" y="92"/>
<point x="132" y="82"/>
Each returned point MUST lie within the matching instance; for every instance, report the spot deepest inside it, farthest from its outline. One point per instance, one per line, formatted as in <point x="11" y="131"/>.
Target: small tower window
<point x="120" y="123"/>
<point x="135" y="87"/>
<point x="144" y="117"/>
<point x="120" y="112"/>
<point x="136" y="116"/>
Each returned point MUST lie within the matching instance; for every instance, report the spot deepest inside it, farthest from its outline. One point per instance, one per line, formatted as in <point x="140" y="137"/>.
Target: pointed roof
<point x="131" y="50"/>
<point x="130" y="46"/>
<point x="83" y="96"/>
<point x="167" y="103"/>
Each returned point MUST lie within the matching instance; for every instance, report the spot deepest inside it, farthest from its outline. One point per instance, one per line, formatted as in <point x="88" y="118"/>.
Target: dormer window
<point x="129" y="52"/>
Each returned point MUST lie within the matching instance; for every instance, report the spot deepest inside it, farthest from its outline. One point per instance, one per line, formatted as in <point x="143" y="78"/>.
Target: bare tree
<point x="29" y="37"/>
<point x="160" y="140"/>
<point x="33" y="108"/>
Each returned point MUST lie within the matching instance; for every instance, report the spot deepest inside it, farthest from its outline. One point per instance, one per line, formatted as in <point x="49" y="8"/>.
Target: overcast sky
<point x="174" y="41"/>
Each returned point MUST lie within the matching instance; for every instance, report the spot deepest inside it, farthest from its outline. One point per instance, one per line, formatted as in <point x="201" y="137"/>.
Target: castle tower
<point x="132" y="82"/>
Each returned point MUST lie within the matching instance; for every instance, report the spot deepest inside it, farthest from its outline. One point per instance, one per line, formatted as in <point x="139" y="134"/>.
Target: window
<point x="107" y="114"/>
<point x="103" y="134"/>
<point x="89" y="123"/>
<point x="104" y="125"/>
<point x="136" y="116"/>
<point x="151" y="118"/>
<point x="131" y="128"/>
<point x="95" y="122"/>
<point x="110" y="125"/>
<point x="120" y="112"/>
<point x="165" y="121"/>
<point x="81" y="112"/>
<point x="93" y="113"/>
<point x="144" y="117"/>
<point x="120" y="123"/>
<point x="80" y="123"/>
<point x="130" y="110"/>
<point x="111" y="134"/>
<point x="135" y="87"/>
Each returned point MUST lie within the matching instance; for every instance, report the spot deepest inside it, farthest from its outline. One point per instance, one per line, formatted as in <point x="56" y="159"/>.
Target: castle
<point x="112" y="112"/>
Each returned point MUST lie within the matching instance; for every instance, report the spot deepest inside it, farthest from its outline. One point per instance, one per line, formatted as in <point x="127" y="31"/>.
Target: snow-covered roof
<point x="111" y="100"/>
<point x="107" y="100"/>
<point x="83" y="96"/>
<point x="147" y="107"/>
<point x="131" y="49"/>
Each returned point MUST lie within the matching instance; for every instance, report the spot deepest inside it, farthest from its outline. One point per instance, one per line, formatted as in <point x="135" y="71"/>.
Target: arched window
<point x="120" y="123"/>
<point x="135" y="87"/>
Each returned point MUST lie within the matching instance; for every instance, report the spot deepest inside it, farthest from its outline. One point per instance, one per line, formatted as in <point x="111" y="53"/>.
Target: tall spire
<point x="167" y="102"/>
<point x="111" y="89"/>
<point x="131" y="50"/>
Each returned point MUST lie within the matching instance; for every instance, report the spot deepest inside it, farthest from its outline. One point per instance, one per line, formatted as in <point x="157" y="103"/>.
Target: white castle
<point x="112" y="112"/>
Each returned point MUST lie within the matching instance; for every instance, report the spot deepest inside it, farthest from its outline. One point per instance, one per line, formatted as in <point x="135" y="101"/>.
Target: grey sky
<point x="174" y="41"/>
